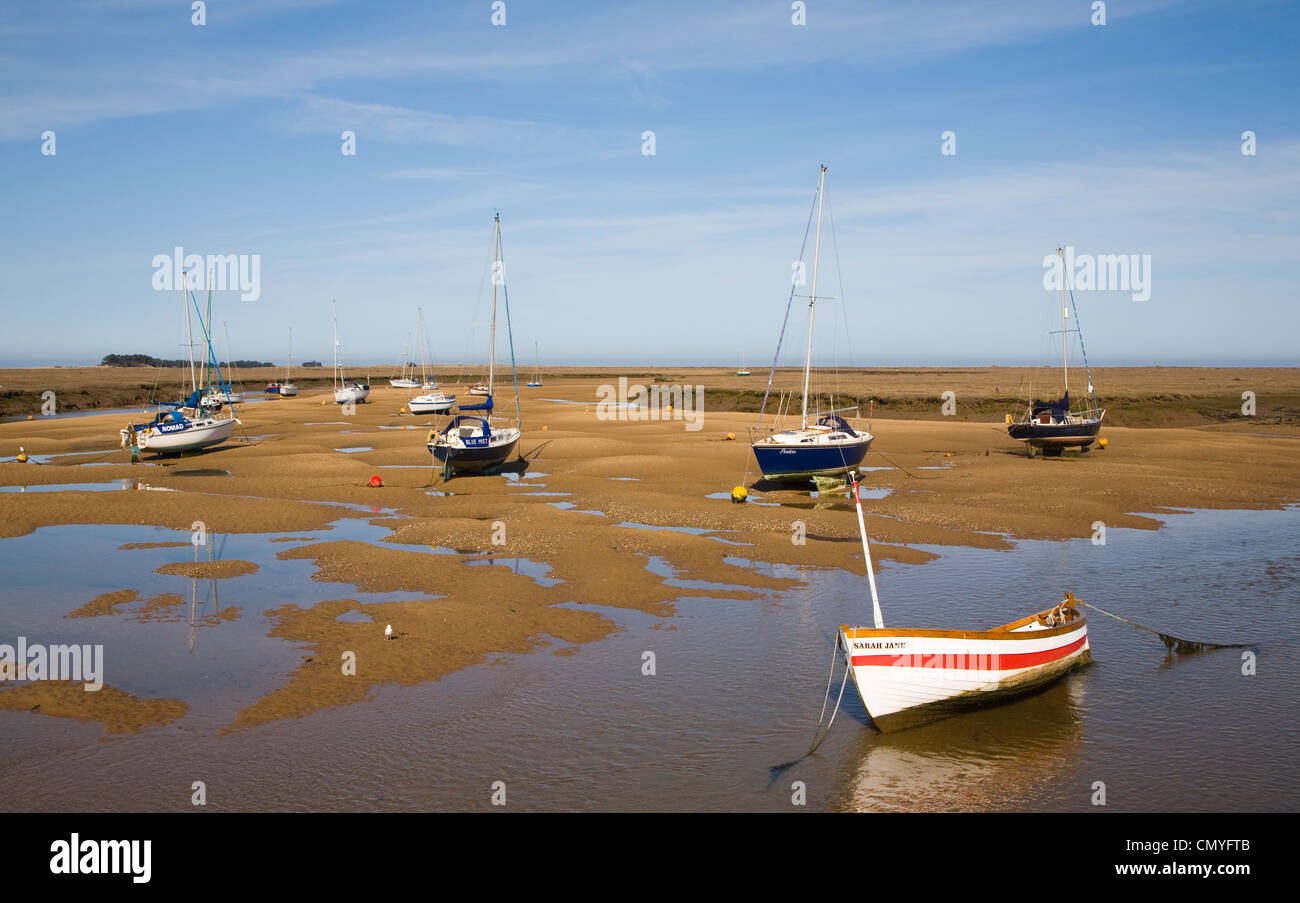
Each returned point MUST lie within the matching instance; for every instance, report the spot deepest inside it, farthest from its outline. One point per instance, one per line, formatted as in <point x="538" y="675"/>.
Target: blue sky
<point x="225" y="139"/>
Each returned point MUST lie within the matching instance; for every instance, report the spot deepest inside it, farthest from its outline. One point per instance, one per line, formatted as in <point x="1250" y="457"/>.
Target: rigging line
<point x="788" y="304"/>
<point x="844" y="309"/>
<point x="208" y="339"/>
<point x="505" y="295"/>
<point x="1083" y="350"/>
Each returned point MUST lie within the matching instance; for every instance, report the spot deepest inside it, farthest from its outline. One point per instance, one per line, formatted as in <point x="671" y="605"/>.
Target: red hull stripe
<point x="970" y="661"/>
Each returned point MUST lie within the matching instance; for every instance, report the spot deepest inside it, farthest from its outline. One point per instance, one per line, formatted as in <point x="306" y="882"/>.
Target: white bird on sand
<point x="388" y="632"/>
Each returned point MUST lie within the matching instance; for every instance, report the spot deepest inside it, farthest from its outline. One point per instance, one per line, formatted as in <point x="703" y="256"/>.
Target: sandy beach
<point x="591" y="501"/>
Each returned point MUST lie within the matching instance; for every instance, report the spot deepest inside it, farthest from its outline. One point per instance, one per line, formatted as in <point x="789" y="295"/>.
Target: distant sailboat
<point x="1050" y="425"/>
<point x="404" y="381"/>
<point x="237" y="396"/>
<point x="286" y="389"/>
<point x="430" y="402"/>
<point x="471" y="442"/>
<point x="827" y="447"/>
<point x="536" y="381"/>
<point x="345" y="391"/>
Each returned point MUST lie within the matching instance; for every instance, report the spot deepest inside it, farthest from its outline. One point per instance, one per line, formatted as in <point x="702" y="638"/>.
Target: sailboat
<point x="826" y="447"/>
<point x="431" y="402"/>
<point x="743" y="371"/>
<point x="910" y="676"/>
<point x="186" y="426"/>
<point x="536" y="381"/>
<point x="404" y="381"/>
<point x="345" y="391"/>
<point x="1050" y="425"/>
<point x="286" y="389"/>
<point x="231" y="397"/>
<point x="470" y="442"/>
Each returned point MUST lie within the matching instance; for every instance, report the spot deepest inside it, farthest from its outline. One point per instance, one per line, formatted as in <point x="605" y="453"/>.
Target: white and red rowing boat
<point x="907" y="677"/>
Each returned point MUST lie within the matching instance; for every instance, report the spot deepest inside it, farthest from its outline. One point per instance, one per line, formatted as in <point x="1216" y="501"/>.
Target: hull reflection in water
<point x="1006" y="757"/>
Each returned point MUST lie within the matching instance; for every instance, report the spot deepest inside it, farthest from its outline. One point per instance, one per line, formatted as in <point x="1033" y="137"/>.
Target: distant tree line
<point x="147" y="360"/>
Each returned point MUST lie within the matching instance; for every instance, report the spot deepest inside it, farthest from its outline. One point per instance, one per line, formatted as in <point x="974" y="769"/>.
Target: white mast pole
<point x="419" y="312"/>
<point x="189" y="330"/>
<point x="288" y="364"/>
<point x="812" y="300"/>
<point x="497" y="268"/>
<point x="866" y="553"/>
<point x="230" y="358"/>
<point x="1065" y="359"/>
<point x="334" y="312"/>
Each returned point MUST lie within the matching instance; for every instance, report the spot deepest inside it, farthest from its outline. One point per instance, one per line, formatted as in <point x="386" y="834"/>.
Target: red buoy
<point x="375" y="481"/>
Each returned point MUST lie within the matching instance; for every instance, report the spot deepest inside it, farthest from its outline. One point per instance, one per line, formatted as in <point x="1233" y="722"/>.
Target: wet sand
<point x="950" y="483"/>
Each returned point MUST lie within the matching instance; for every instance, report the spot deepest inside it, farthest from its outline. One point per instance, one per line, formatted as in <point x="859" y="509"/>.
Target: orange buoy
<point x="375" y="481"/>
<point x="731" y="436"/>
<point x="544" y="429"/>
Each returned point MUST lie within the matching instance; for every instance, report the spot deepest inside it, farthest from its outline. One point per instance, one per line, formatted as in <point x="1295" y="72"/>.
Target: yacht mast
<point x="497" y="268"/>
<point x="419" y="311"/>
<point x="189" y="331"/>
<point x="812" y="299"/>
<point x="1065" y="358"/>
<point x="335" y="314"/>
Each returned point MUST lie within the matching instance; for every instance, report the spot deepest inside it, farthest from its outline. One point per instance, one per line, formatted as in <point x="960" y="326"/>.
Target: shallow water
<point x="587" y="729"/>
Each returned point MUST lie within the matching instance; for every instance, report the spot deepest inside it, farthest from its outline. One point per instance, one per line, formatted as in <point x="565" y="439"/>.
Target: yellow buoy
<point x="1009" y="420"/>
<point x="403" y="409"/>
<point x="22" y="455"/>
<point x="31" y="416"/>
<point x="739" y="494"/>
<point x="731" y="436"/>
<point x="1102" y="442"/>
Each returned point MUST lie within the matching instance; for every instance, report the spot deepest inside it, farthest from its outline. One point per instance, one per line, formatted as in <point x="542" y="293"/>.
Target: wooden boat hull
<point x="909" y="677"/>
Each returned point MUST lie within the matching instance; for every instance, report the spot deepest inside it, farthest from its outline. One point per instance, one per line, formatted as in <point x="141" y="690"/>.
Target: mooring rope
<point x="901" y="467"/>
<point x="1173" y="643"/>
<point x="843" y="682"/>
